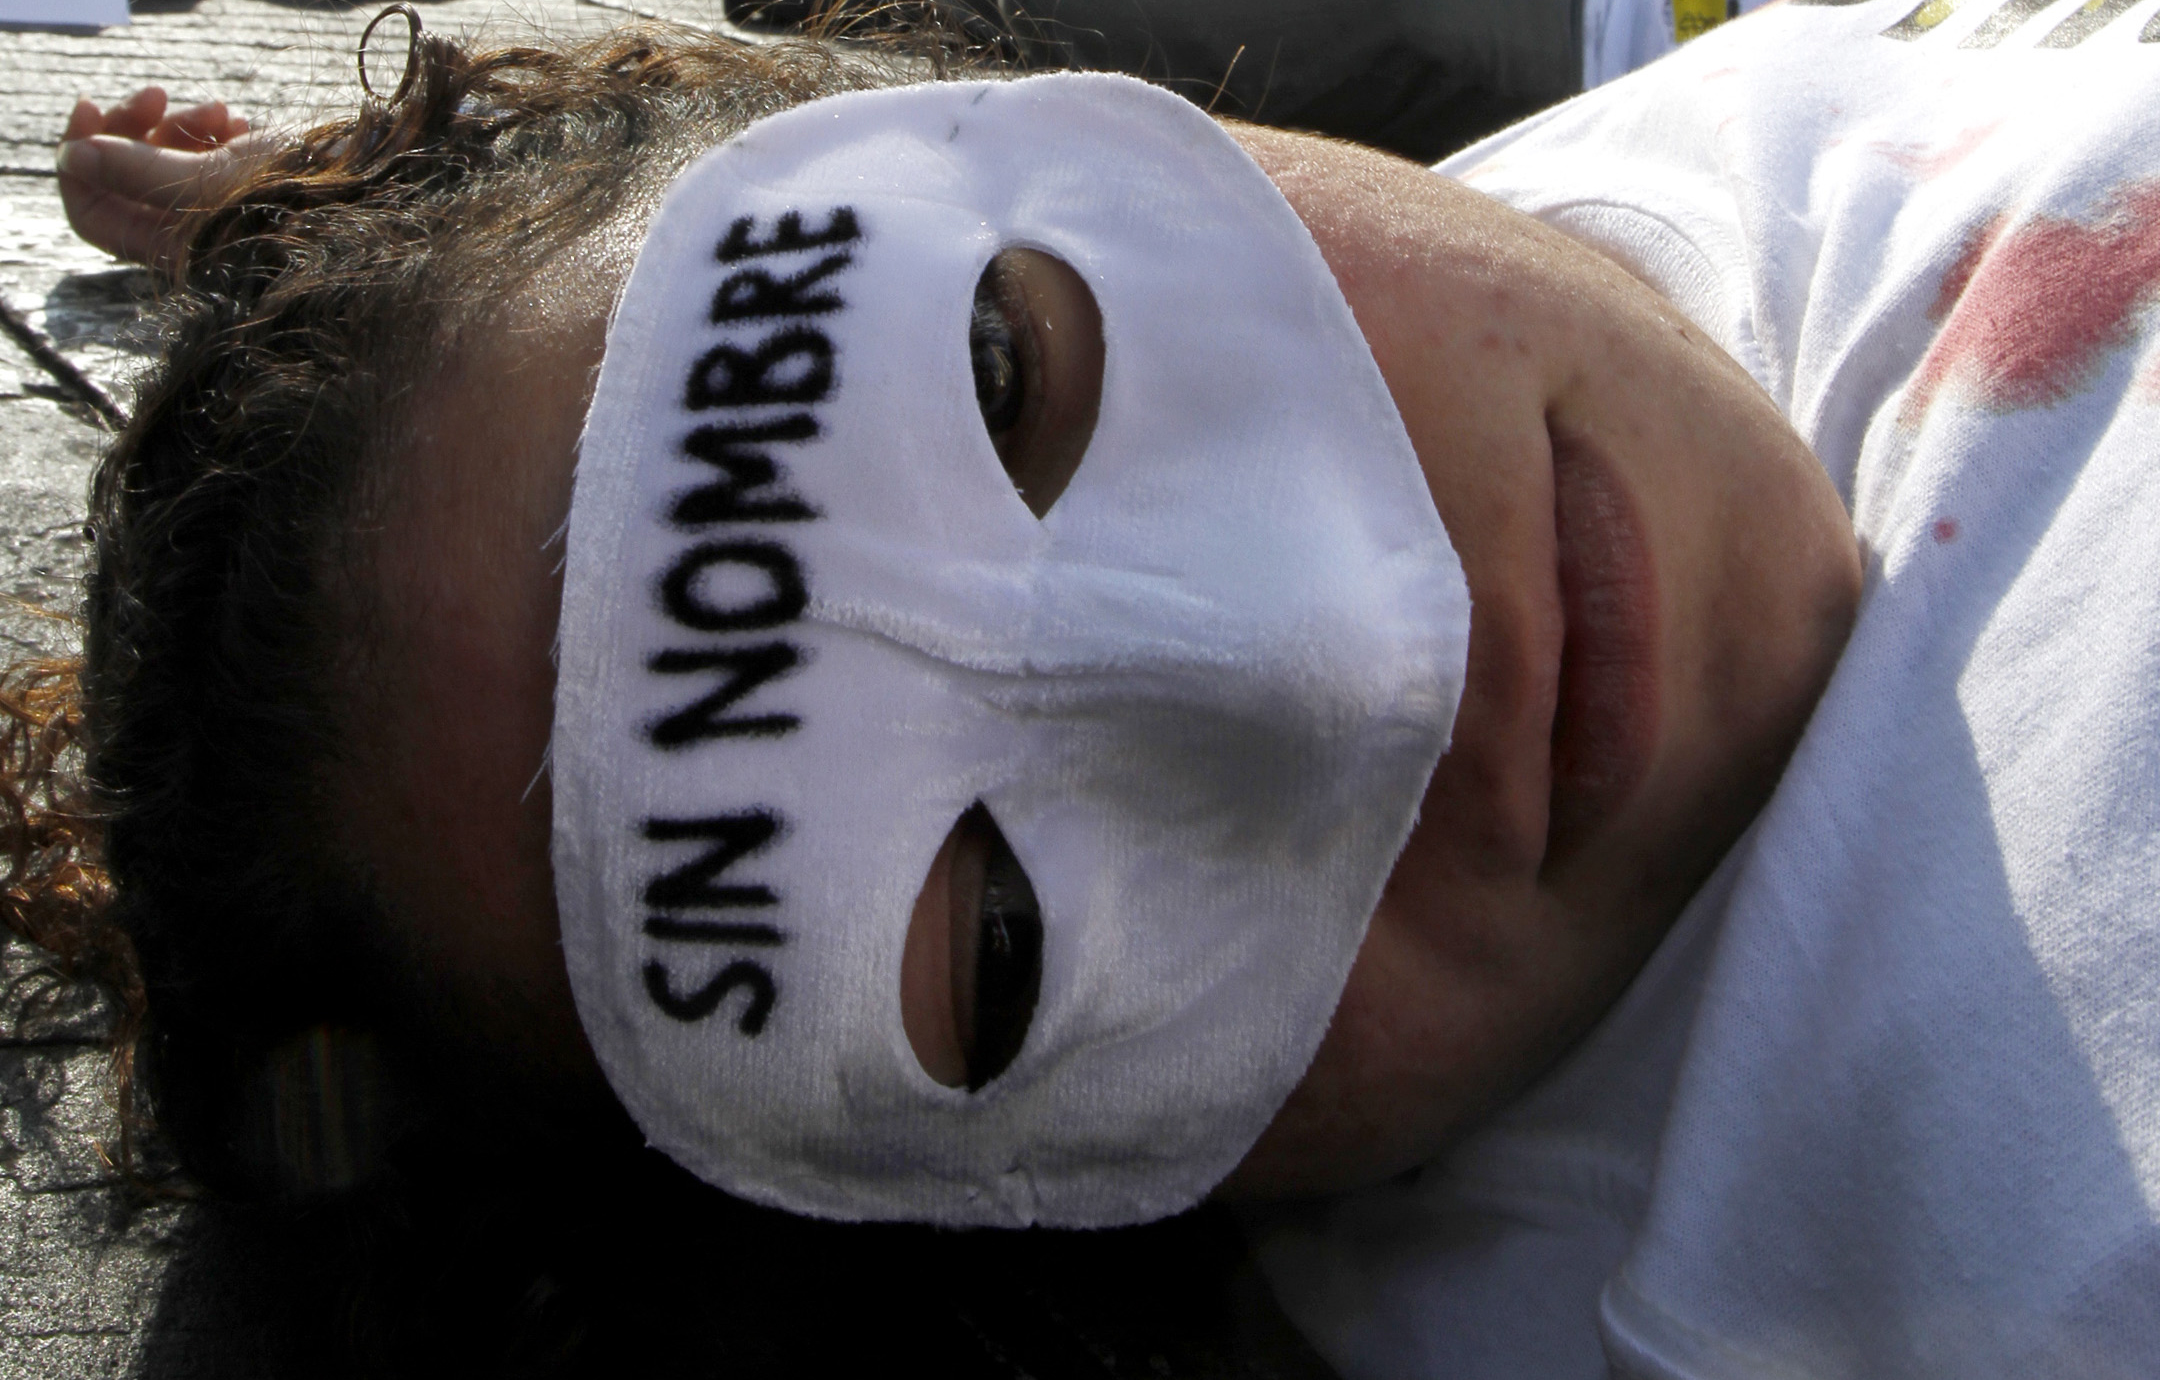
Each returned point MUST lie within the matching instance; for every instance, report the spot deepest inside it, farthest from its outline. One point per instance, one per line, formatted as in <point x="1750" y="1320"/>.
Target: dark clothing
<point x="1421" y="77"/>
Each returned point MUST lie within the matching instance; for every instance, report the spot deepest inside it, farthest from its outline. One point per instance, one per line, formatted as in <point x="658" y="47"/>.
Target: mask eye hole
<point x="1035" y="344"/>
<point x="972" y="966"/>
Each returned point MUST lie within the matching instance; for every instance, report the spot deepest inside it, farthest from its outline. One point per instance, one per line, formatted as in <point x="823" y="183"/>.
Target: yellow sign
<point x="1693" y="18"/>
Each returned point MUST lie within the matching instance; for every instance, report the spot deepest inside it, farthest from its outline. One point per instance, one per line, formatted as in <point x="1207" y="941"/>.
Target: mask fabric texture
<point x="808" y="622"/>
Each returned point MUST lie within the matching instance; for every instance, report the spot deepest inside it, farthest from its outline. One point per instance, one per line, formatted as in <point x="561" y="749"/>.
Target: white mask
<point x="1201" y="697"/>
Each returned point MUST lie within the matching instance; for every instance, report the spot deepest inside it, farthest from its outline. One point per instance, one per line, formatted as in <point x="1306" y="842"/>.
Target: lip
<point x="1605" y="721"/>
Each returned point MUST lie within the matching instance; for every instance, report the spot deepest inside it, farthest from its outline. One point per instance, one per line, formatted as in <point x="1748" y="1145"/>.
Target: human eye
<point x="1001" y="387"/>
<point x="1035" y="344"/>
<point x="972" y="969"/>
<point x="996" y="949"/>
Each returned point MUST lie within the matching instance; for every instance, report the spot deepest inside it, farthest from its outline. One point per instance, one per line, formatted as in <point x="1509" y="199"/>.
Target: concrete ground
<point x="97" y="1280"/>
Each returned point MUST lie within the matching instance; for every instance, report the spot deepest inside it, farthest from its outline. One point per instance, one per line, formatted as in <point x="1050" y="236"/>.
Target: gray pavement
<point x="78" y="1265"/>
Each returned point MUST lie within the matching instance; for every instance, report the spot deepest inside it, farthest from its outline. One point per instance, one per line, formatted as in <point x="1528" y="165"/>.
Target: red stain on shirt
<point x="1959" y="275"/>
<point x="1945" y="530"/>
<point x="2148" y="381"/>
<point x="2029" y="312"/>
<point x="1934" y="162"/>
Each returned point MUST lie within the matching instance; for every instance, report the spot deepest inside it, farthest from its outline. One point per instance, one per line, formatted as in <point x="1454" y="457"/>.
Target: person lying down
<point x="1001" y="652"/>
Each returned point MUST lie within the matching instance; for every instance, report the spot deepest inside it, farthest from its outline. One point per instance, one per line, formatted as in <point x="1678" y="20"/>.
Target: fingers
<point x="83" y="121"/>
<point x="197" y="128"/>
<point x="146" y="116"/>
<point x="135" y="116"/>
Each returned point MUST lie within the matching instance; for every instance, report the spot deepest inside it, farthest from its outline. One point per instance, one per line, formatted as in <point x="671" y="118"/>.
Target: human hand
<point x="127" y="173"/>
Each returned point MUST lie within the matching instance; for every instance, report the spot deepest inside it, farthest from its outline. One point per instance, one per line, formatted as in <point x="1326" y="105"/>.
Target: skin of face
<point x="1661" y="579"/>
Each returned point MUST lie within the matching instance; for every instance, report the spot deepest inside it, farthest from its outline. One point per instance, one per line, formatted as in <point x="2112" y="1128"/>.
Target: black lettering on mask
<point x="790" y="366"/>
<point x="723" y="584"/>
<point x="743" y="972"/>
<point x="743" y="489"/>
<point x="696" y="885"/>
<point x="788" y="236"/>
<point x="784" y="599"/>
<point x="751" y="294"/>
<point x="714" y="932"/>
<point x="743" y="669"/>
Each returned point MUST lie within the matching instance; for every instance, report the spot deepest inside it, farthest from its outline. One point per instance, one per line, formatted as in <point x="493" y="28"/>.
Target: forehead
<point x="455" y="598"/>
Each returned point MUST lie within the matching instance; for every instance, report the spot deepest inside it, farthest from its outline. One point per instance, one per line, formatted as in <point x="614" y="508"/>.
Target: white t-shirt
<point x="1887" y="1101"/>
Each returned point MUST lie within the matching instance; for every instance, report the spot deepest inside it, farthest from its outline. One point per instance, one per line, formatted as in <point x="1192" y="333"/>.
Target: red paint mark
<point x="1945" y="531"/>
<point x="1959" y="275"/>
<point x="2148" y="381"/>
<point x="2029" y="312"/>
<point x="1934" y="162"/>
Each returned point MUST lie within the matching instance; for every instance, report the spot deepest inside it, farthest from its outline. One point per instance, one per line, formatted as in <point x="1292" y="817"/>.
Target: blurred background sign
<point x="62" y="14"/>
